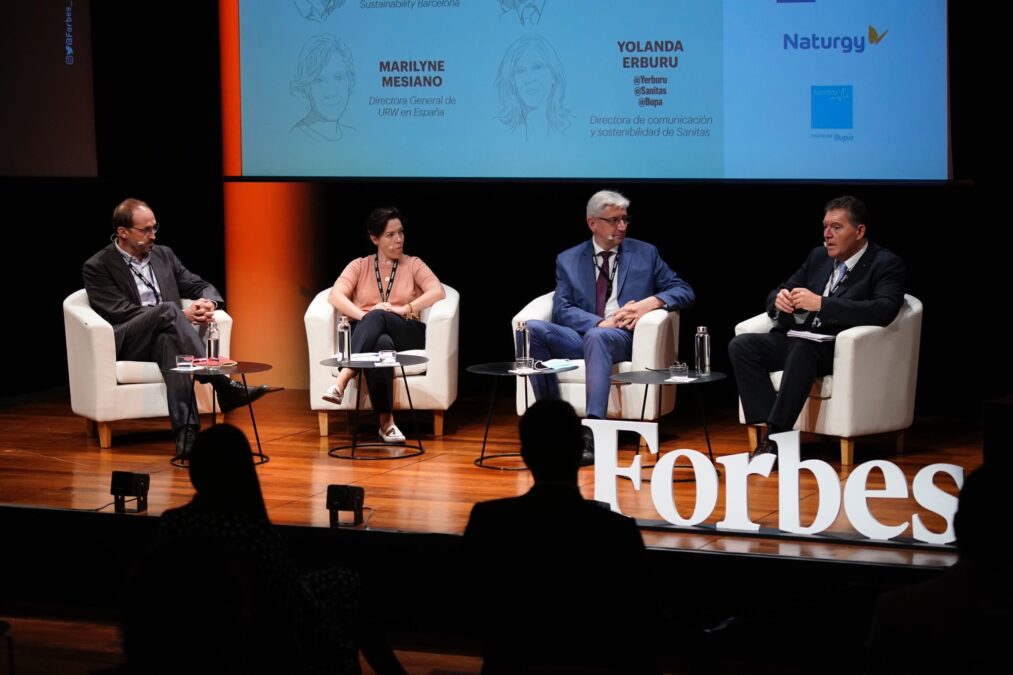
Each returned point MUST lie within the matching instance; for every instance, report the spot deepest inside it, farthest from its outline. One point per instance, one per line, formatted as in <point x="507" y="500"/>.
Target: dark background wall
<point x="159" y="138"/>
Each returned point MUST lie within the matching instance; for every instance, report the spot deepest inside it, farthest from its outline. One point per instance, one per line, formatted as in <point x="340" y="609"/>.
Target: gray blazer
<point x="112" y="291"/>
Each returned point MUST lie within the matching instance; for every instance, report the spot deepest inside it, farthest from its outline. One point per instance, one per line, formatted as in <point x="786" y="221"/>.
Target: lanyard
<point x="379" y="283"/>
<point x="151" y="286"/>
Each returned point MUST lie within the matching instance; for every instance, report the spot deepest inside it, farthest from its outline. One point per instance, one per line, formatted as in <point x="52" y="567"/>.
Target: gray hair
<point x="603" y="198"/>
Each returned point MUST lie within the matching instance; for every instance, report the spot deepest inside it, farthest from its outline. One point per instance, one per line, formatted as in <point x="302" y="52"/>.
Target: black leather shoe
<point x="766" y="446"/>
<point x="232" y="394"/>
<point x="587" y="456"/>
<point x="185" y="437"/>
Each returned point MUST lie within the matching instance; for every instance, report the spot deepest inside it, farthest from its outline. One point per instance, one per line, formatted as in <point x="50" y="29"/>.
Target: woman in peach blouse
<point x="383" y="296"/>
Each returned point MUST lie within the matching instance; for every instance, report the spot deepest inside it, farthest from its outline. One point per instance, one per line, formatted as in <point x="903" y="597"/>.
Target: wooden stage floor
<point x="47" y="461"/>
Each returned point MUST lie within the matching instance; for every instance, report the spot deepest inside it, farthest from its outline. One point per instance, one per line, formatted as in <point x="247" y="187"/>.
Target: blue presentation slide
<point x="742" y="89"/>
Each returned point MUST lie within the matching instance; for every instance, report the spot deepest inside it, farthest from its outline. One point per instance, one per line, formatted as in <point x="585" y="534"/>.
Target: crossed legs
<point x="160" y="334"/>
<point x="377" y="331"/>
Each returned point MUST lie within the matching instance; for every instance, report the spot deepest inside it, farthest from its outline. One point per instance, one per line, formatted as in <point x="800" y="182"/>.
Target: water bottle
<point x="522" y="346"/>
<point x="702" y="345"/>
<point x="211" y="340"/>
<point x="344" y="352"/>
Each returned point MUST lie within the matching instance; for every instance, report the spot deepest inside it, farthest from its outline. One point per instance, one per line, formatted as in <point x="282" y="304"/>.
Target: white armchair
<point x="872" y="387"/>
<point x="104" y="390"/>
<point x="655" y="345"/>
<point x="433" y="385"/>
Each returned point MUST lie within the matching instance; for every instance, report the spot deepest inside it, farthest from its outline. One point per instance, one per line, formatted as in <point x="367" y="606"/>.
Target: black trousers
<point x="755" y="355"/>
<point x="378" y="331"/>
<point x="159" y="334"/>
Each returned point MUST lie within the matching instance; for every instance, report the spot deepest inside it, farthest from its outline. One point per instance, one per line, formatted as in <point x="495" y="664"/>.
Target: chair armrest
<point x="876" y="371"/>
<point x="656" y="340"/>
<point x="91" y="361"/>
<point x="442" y="331"/>
<point x="320" y="320"/>
<point x="761" y="323"/>
<point x="540" y="308"/>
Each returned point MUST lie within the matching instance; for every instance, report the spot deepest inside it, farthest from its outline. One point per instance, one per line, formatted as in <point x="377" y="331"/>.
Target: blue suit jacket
<point x="641" y="273"/>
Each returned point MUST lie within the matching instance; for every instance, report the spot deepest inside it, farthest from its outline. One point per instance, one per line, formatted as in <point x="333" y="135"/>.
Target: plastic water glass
<point x="678" y="369"/>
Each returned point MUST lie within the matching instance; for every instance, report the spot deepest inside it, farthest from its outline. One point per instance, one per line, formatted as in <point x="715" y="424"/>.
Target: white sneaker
<point x="333" y="395"/>
<point x="392" y="435"/>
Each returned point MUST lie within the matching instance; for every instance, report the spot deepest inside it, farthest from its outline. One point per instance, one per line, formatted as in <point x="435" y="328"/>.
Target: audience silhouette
<point x="278" y="619"/>
<point x="556" y="583"/>
<point x="958" y="622"/>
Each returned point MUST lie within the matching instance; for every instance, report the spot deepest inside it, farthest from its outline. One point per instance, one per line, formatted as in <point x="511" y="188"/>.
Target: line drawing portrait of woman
<point x="325" y="77"/>
<point x="529" y="12"/>
<point x="531" y="84"/>
<point x="317" y="10"/>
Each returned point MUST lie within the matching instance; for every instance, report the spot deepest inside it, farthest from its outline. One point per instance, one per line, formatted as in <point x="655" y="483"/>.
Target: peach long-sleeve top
<point x="412" y="278"/>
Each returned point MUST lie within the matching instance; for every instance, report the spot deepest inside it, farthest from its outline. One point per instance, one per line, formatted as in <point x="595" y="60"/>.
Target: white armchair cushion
<point x="137" y="372"/>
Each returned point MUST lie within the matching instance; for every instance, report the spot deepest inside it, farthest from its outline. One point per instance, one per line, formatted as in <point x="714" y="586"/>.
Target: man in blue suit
<point x="845" y="282"/>
<point x="603" y="287"/>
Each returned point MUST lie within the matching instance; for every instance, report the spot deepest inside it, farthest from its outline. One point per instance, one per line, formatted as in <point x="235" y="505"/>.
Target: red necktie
<point x="603" y="281"/>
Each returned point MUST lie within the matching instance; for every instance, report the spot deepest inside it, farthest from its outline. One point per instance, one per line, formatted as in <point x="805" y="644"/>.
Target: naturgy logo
<point x="846" y="44"/>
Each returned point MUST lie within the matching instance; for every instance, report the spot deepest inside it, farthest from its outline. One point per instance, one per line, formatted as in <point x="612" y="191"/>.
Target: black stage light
<point x="127" y="484"/>
<point x="345" y="498"/>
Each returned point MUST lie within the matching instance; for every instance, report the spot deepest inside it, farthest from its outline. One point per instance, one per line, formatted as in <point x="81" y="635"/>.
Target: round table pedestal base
<point x="481" y="462"/>
<point x="351" y="451"/>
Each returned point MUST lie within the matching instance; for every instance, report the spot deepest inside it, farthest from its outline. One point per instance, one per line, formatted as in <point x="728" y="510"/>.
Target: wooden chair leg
<point x="847" y="451"/>
<point x="105" y="435"/>
<point x="900" y="442"/>
<point x="324" y="422"/>
<point x="438" y="422"/>
<point x="89" y="428"/>
<point x="754" y="436"/>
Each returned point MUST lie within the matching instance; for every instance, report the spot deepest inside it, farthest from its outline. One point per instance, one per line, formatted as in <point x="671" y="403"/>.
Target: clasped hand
<point x="797" y="298"/>
<point x="628" y="315"/>
<point x="200" y="311"/>
<point x="400" y="310"/>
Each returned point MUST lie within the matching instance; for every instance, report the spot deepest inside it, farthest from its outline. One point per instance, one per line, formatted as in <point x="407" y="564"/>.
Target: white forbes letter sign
<point x="737" y="468"/>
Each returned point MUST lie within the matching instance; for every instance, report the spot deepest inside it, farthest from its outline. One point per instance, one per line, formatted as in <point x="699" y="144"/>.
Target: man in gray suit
<point x="138" y="287"/>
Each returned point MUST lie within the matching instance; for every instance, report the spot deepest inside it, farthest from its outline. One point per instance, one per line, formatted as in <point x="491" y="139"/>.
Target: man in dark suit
<point x="541" y="572"/>
<point x="603" y="287"/>
<point x="848" y="281"/>
<point x="137" y="287"/>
